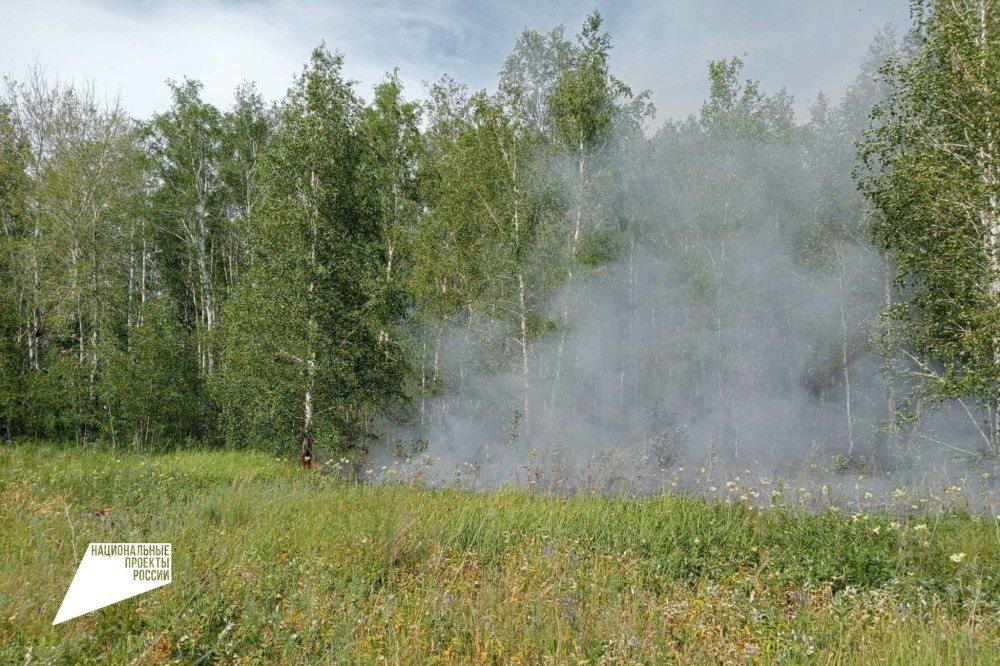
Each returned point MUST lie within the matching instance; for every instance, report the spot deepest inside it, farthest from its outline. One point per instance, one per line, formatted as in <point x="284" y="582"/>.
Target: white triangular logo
<point x="113" y="572"/>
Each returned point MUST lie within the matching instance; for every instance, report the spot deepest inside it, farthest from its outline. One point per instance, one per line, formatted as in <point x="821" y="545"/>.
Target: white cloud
<point x="134" y="46"/>
<point x="135" y="52"/>
<point x="134" y="49"/>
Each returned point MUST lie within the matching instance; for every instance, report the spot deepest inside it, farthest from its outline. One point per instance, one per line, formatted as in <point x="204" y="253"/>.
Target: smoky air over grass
<point x="737" y="320"/>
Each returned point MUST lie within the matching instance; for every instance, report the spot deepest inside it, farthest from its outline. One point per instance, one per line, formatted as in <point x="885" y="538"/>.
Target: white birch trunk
<point x="308" y="408"/>
<point x="525" y="367"/>
<point x="845" y="358"/>
<point x="990" y="215"/>
<point x="578" y="224"/>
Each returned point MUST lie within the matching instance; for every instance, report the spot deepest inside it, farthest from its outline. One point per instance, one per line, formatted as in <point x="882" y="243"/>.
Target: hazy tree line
<point x="286" y="274"/>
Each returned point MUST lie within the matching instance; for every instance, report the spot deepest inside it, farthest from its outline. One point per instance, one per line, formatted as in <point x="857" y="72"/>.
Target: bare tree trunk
<point x="579" y="203"/>
<point x="521" y="296"/>
<point x="197" y="232"/>
<point x="95" y="304"/>
<point x="524" y="347"/>
<point x="34" y="331"/>
<point x="142" y="282"/>
<point x="437" y="360"/>
<point x="383" y="334"/>
<point x="845" y="357"/>
<point x="207" y="301"/>
<point x="307" y="444"/>
<point x="892" y="436"/>
<point x="990" y="216"/>
<point x="423" y="384"/>
<point x="75" y="288"/>
<point x="574" y="243"/>
<point x="131" y="283"/>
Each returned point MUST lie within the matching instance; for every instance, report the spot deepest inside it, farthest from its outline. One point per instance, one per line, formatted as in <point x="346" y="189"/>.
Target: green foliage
<point x="296" y="272"/>
<point x="304" y="347"/>
<point x="929" y="169"/>
<point x="738" y="109"/>
<point x="14" y="182"/>
<point x="202" y="163"/>
<point x="149" y="401"/>
<point x="530" y="74"/>
<point x="79" y="202"/>
<point x="599" y="248"/>
<point x="583" y="101"/>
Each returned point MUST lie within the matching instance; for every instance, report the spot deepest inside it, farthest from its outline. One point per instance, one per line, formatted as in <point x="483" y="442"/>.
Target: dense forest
<point x="486" y="275"/>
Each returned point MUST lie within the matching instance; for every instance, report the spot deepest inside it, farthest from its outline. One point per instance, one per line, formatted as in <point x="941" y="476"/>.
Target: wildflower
<point x="920" y="528"/>
<point x="957" y="557"/>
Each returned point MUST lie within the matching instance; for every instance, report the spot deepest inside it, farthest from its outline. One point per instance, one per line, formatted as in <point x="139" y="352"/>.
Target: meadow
<point x="276" y="564"/>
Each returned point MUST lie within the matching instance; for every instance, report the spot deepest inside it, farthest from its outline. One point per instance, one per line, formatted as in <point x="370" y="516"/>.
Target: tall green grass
<point x="275" y="564"/>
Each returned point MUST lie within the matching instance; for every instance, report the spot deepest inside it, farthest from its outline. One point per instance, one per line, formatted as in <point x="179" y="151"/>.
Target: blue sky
<point x="129" y="47"/>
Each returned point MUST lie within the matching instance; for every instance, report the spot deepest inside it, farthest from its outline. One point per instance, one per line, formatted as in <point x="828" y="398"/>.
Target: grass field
<point x="275" y="564"/>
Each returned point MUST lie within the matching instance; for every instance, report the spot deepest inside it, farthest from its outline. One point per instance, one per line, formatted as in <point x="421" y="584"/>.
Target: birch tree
<point x="932" y="178"/>
<point x="390" y="129"/>
<point x="85" y="183"/>
<point x="591" y="111"/>
<point x="14" y="358"/>
<point x="301" y="345"/>
<point x="187" y="145"/>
